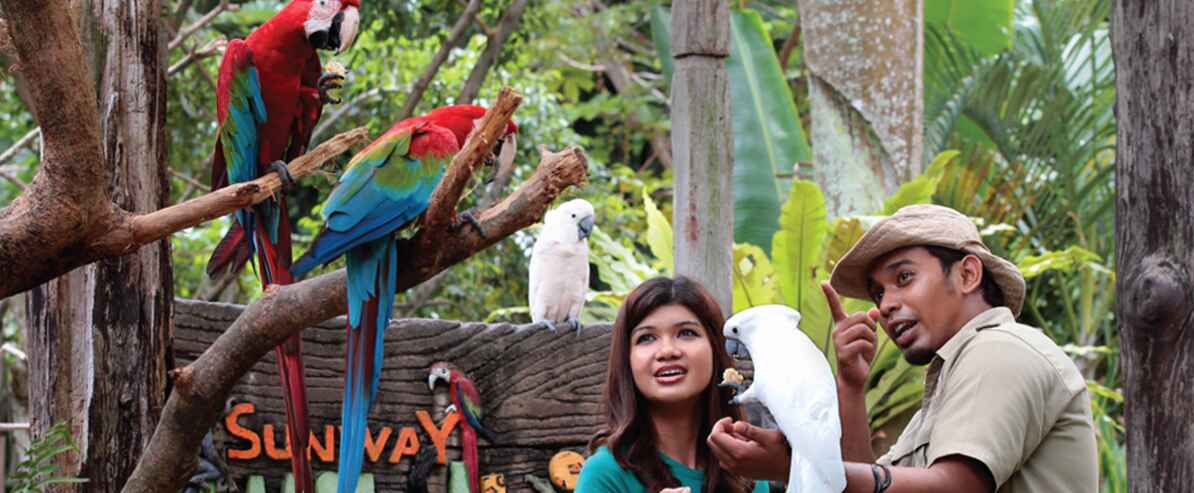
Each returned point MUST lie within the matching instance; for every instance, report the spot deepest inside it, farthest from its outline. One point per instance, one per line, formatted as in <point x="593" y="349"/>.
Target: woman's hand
<point x="750" y="451"/>
<point x="682" y="489"/>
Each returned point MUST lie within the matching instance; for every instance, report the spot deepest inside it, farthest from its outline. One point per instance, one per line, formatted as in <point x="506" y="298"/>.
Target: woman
<point x="667" y="354"/>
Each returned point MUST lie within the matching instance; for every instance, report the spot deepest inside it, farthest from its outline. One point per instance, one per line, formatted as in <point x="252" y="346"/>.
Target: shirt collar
<point x="995" y="316"/>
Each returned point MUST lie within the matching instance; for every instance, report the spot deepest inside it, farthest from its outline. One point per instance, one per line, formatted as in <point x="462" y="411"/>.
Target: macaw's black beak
<point x="585" y="227"/>
<point x="501" y="164"/>
<point x="736" y="348"/>
<point x="334" y="32"/>
<point x="318" y="39"/>
<point x="329" y="39"/>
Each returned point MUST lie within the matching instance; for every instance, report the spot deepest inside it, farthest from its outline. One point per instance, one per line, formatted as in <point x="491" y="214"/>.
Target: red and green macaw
<point x="466" y="401"/>
<point x="385" y="187"/>
<point x="269" y="95"/>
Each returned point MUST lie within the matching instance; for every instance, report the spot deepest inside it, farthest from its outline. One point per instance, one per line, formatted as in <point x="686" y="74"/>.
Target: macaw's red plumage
<point x="269" y="95"/>
<point x="466" y="400"/>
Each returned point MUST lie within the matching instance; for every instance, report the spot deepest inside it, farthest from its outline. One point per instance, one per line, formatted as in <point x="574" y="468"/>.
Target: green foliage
<point x="985" y="25"/>
<point x="920" y="190"/>
<point x="768" y="140"/>
<point x="796" y="250"/>
<point x="39" y="469"/>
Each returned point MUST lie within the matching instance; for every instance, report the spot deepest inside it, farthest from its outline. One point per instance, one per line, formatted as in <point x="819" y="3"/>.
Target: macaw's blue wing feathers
<point x="239" y="109"/>
<point x="382" y="190"/>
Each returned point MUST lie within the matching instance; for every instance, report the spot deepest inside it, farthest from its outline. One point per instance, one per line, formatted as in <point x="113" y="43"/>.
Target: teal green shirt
<point x="602" y="474"/>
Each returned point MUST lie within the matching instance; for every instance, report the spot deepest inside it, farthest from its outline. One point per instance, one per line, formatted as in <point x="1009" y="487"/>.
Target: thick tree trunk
<point x="866" y="95"/>
<point x="100" y="334"/>
<point x="702" y="146"/>
<point x="1153" y="42"/>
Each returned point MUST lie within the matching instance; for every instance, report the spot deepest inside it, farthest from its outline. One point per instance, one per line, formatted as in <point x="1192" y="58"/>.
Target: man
<point x="1004" y="408"/>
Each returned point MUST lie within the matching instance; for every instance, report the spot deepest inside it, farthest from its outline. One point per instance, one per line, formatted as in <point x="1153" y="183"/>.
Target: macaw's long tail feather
<point x="468" y="452"/>
<point x="231" y="253"/>
<point x="294" y="393"/>
<point x="358" y="398"/>
<point x="372" y="267"/>
<point x="272" y="242"/>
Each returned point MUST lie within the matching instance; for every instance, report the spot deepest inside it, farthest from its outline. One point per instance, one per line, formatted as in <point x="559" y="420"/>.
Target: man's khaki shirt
<point x="1005" y="395"/>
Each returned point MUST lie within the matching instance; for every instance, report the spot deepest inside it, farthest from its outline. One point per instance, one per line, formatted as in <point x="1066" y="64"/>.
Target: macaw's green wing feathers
<point x="361" y="169"/>
<point x="470" y="408"/>
<point x="240" y="109"/>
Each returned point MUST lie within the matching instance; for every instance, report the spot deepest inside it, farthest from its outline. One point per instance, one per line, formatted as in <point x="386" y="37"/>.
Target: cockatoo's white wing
<point x="795" y="383"/>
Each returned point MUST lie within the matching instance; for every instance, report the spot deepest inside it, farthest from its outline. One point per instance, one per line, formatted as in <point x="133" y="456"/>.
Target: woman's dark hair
<point x="628" y="432"/>
<point x="948" y="257"/>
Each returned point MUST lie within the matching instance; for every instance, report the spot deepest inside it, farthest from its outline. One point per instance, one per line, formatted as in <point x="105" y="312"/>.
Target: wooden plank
<point x="541" y="392"/>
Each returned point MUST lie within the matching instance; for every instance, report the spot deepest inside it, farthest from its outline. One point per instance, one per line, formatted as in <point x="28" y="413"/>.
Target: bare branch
<point x="325" y="124"/>
<point x="213" y="47"/>
<point x="579" y="65"/>
<point x="189" y="179"/>
<point x="493" y="48"/>
<point x="136" y="230"/>
<point x="20" y="144"/>
<point x="785" y="53"/>
<point x="202" y="387"/>
<point x="199" y="24"/>
<point x="453" y="39"/>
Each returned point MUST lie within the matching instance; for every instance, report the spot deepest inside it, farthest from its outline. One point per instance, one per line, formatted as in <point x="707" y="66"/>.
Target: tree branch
<point x="114" y="232"/>
<point x="441" y="210"/>
<point x="203" y="21"/>
<point x="211" y="48"/>
<point x="61" y="95"/>
<point x="136" y="230"/>
<point x="20" y="144"/>
<point x="201" y="388"/>
<point x="493" y="48"/>
<point x="785" y="53"/>
<point x="453" y="39"/>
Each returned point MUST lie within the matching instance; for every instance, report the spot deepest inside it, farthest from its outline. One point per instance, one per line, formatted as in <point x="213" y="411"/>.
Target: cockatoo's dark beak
<point x="585" y="227"/>
<point x="736" y="348"/>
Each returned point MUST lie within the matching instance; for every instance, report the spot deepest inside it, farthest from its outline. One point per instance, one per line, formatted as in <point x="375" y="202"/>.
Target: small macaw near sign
<point x="385" y="187"/>
<point x="270" y="92"/>
<point x="466" y="400"/>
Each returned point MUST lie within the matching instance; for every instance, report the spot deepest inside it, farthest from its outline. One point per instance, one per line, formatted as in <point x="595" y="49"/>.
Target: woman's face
<point x="671" y="356"/>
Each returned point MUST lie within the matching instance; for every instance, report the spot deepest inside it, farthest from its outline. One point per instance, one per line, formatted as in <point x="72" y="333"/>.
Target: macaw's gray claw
<point x="467" y="217"/>
<point x="283" y="172"/>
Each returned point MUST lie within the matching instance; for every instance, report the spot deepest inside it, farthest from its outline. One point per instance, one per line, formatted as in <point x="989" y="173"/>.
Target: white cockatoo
<point x="560" y="265"/>
<point x="793" y="381"/>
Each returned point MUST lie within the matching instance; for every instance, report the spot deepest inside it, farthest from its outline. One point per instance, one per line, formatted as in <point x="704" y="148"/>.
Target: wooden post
<point x="702" y="146"/>
<point x="1154" y="48"/>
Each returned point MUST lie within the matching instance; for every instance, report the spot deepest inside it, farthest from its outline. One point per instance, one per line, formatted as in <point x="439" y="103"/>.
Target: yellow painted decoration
<point x="493" y="483"/>
<point x="564" y="469"/>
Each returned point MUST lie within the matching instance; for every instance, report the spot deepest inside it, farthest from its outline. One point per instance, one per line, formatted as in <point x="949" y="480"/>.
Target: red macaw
<point x="385" y="187"/>
<point x="466" y="401"/>
<point x="270" y="93"/>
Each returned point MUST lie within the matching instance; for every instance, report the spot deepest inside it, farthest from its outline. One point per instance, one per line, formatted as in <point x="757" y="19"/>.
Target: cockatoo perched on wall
<point x="560" y="265"/>
<point x="793" y="380"/>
